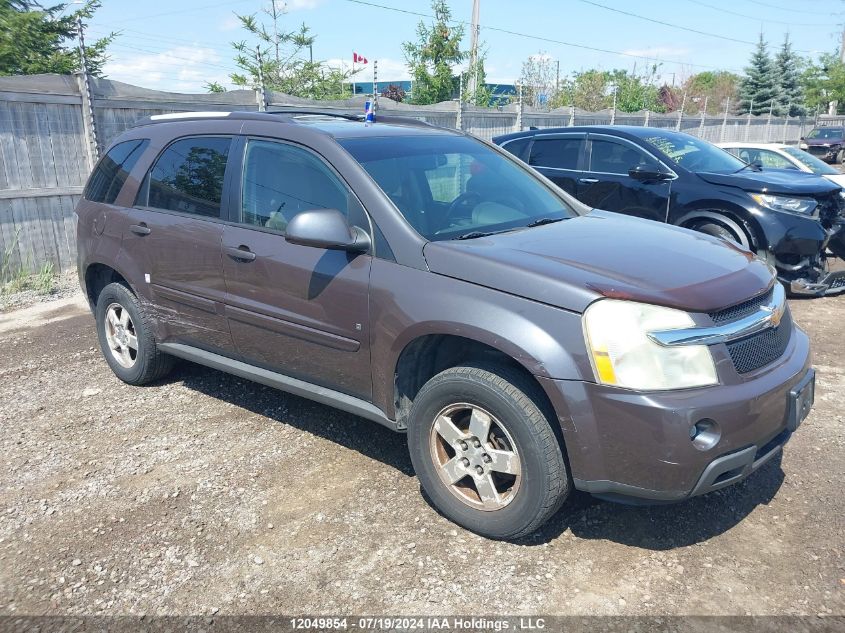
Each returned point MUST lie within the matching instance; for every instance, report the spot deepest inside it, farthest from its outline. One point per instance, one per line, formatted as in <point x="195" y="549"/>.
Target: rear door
<point x="560" y="157"/>
<point x="175" y="234"/>
<point x="299" y="310"/>
<point x="607" y="184"/>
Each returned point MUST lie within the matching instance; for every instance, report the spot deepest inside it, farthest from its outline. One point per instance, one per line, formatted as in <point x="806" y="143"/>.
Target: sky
<point x="179" y="45"/>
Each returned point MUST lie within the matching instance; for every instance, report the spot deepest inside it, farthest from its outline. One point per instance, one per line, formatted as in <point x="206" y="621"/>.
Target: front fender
<point x="408" y="303"/>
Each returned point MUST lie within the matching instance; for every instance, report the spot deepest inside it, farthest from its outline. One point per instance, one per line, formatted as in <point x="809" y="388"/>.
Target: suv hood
<point x="823" y="142"/>
<point x="784" y="181"/>
<point x="572" y="263"/>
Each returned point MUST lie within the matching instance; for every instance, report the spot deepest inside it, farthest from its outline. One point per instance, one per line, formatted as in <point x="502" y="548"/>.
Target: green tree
<point x="591" y="90"/>
<point x="433" y="57"/>
<point x="35" y="39"/>
<point x="790" y="91"/>
<point x="283" y="58"/>
<point x="759" y="88"/>
<point x="824" y="82"/>
<point x="215" y="87"/>
<point x="714" y="87"/>
<point x="635" y="92"/>
<point x="483" y="93"/>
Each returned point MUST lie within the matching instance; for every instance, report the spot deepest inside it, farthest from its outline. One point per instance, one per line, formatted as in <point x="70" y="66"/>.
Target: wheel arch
<point x="427" y="354"/>
<point x="97" y="275"/>
<point x="737" y="220"/>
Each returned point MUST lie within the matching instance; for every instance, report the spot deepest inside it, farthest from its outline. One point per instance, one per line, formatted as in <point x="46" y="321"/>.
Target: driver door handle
<point x="588" y="181"/>
<point x="241" y="253"/>
<point x="139" y="229"/>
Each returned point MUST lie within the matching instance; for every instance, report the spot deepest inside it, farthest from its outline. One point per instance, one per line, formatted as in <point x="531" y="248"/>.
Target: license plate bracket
<point x="801" y="398"/>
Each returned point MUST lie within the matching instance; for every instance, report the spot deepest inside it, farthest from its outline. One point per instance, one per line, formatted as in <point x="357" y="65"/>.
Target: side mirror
<point x="645" y="173"/>
<point x="326" y="228"/>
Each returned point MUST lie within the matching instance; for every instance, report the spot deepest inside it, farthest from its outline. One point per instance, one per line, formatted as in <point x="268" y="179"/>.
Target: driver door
<point x="607" y="184"/>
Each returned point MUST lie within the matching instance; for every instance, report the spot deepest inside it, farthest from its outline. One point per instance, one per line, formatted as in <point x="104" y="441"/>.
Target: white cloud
<point x="301" y="5"/>
<point x="658" y="52"/>
<point x="179" y="69"/>
<point x="388" y="69"/>
<point x="229" y="23"/>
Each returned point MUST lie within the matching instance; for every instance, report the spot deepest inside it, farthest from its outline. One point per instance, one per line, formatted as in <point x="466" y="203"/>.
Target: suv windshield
<point x="816" y="166"/>
<point x="694" y="154"/>
<point x="452" y="186"/>
<point x="826" y="132"/>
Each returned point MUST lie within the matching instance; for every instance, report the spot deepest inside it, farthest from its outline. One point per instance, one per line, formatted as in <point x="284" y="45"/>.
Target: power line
<point x="178" y="11"/>
<point x="803" y="11"/>
<point x="674" y="26"/>
<point x="167" y="53"/>
<point x="544" y="39"/>
<point x="756" y="18"/>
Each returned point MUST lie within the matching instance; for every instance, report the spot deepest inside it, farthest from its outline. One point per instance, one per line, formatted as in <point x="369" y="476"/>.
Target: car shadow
<point x="657" y="527"/>
<point x="665" y="526"/>
<point x="350" y="431"/>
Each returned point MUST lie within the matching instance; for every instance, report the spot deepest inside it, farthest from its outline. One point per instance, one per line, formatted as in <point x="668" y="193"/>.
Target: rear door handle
<point x="140" y="229"/>
<point x="588" y="181"/>
<point x="241" y="254"/>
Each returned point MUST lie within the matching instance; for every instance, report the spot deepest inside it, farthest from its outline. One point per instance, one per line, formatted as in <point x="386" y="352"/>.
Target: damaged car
<point x="794" y="221"/>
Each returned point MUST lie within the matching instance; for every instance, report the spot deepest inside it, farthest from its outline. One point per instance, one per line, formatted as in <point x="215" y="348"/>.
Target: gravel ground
<point x="208" y="494"/>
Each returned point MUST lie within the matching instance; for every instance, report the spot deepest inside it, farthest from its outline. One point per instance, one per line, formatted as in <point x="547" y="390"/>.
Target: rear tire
<point x="510" y="475"/>
<point x="126" y="337"/>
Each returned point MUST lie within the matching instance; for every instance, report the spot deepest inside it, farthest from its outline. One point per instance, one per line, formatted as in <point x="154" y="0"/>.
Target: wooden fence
<point x="46" y="156"/>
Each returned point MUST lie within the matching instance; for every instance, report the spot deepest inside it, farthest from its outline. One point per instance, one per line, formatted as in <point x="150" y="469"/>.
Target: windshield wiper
<point x="475" y="234"/>
<point x="753" y="166"/>
<point x="542" y="221"/>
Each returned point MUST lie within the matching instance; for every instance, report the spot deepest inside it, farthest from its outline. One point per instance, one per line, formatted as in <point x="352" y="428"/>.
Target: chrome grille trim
<point x="768" y="315"/>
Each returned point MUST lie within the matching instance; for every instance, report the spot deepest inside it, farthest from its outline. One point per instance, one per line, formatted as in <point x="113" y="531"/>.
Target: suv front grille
<point x="761" y="349"/>
<point x="742" y="309"/>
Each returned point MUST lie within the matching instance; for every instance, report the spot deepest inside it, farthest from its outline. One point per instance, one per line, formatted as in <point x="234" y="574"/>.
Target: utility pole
<point x="88" y="120"/>
<point x="842" y="47"/>
<point x="262" y="93"/>
<point x="473" y="50"/>
<point x="557" y="79"/>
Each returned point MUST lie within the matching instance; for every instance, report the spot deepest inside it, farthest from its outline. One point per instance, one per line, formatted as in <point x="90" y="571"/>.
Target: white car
<point x="779" y="156"/>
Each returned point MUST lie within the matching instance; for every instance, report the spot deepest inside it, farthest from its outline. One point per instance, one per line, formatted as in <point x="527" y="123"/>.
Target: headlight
<point x="803" y="206"/>
<point x="803" y="146"/>
<point x="623" y="354"/>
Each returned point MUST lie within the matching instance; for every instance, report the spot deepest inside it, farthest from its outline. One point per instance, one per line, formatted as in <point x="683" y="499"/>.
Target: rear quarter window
<point x="559" y="153"/>
<point x="188" y="177"/>
<point x="111" y="172"/>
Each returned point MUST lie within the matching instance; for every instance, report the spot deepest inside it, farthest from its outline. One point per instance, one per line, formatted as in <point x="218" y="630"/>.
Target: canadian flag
<point x="358" y="59"/>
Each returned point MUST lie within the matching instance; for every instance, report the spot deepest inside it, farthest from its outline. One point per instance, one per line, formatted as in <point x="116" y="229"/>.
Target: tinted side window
<point x="280" y="180"/>
<point x="518" y="147"/>
<point x="610" y="157"/>
<point x="188" y="177"/>
<point x="111" y="172"/>
<point x="561" y="153"/>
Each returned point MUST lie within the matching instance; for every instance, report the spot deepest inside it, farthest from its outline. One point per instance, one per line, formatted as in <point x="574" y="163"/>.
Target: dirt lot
<point x="209" y="494"/>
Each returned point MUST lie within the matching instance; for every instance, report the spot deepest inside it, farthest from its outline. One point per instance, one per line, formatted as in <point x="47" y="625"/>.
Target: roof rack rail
<point x="307" y="112"/>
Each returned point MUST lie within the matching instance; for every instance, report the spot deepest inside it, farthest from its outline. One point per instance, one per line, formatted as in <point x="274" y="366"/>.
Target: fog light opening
<point x="705" y="434"/>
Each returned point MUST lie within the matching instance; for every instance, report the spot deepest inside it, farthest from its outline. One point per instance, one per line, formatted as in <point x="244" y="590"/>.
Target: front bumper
<point x="630" y="446"/>
<point x="826" y="153"/>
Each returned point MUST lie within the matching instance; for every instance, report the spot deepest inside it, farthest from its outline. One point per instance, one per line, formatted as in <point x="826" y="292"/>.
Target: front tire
<point x="126" y="337"/>
<point x="718" y="230"/>
<point x="486" y="453"/>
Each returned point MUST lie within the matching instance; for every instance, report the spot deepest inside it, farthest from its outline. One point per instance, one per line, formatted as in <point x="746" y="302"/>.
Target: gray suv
<point x="429" y="281"/>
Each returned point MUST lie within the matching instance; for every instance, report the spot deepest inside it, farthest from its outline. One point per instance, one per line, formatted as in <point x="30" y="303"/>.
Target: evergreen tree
<point x="791" y="93"/>
<point x="759" y="87"/>
<point x="35" y="39"/>
<point x="433" y="57"/>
